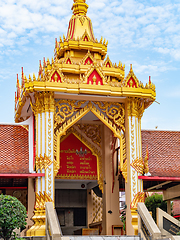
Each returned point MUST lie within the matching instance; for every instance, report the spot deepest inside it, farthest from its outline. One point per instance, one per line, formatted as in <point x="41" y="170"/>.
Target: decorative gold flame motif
<point x="94" y="79"/>
<point x="55" y="77"/>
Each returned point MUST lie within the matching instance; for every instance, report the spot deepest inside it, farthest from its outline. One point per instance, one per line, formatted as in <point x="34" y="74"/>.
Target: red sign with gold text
<point x="73" y="166"/>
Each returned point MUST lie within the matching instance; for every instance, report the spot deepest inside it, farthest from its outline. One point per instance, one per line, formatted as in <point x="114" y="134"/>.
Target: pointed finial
<point x="15" y="98"/>
<point x="22" y="76"/>
<point x="48" y="64"/>
<point x="79" y="7"/>
<point x="25" y="79"/>
<point x="149" y="80"/>
<point x="17" y="79"/>
<point x="30" y="78"/>
<point x="130" y="67"/>
<point x="34" y="77"/>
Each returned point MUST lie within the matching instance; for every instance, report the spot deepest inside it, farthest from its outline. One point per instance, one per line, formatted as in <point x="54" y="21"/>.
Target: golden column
<point x="43" y="109"/>
<point x="135" y="164"/>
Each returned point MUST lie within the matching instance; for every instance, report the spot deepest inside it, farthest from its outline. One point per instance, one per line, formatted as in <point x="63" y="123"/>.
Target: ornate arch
<point x="69" y="112"/>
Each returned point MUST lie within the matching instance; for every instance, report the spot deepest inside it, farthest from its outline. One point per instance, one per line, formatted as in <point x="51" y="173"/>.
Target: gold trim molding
<point x="42" y="162"/>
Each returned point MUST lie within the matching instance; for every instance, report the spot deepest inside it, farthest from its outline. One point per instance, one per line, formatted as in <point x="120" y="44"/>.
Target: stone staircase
<point x="91" y="237"/>
<point x="103" y="237"/>
<point x="147" y="228"/>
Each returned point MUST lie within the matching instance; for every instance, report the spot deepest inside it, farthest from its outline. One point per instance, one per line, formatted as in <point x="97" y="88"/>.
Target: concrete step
<point x="99" y="237"/>
<point x="91" y="237"/>
<point x="35" y="238"/>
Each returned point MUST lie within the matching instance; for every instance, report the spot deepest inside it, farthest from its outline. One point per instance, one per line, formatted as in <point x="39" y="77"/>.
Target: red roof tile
<point x="164" y="152"/>
<point x="14" y="149"/>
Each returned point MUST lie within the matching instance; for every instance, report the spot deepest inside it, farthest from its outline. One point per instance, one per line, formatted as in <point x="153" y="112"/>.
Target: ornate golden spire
<point x="80" y="7"/>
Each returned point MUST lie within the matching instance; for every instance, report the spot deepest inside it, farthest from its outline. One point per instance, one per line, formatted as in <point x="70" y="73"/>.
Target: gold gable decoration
<point x="108" y="63"/>
<point x="88" y="55"/>
<point x="92" y="131"/>
<point x="114" y="111"/>
<point x="131" y="79"/>
<point x="99" y="72"/>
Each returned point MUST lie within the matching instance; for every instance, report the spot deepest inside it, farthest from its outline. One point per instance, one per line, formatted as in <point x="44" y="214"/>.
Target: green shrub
<point x="12" y="215"/>
<point x="155" y="201"/>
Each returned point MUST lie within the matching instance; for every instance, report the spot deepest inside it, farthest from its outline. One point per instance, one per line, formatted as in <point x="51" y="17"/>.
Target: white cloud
<point x="131" y="24"/>
<point x="153" y="68"/>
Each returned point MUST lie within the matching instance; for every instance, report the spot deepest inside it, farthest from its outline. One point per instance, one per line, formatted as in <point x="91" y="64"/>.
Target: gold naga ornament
<point x="141" y="166"/>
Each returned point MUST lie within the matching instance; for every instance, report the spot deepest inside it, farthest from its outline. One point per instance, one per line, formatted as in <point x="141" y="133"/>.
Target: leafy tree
<point x="12" y="215"/>
<point x="123" y="217"/>
<point x="155" y="201"/>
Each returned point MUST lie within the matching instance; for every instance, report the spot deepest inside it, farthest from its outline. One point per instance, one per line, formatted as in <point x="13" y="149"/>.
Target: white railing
<point x="146" y="225"/>
<point x="53" y="229"/>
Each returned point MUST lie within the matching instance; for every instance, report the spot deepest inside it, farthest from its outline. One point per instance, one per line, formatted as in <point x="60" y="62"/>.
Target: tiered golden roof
<point x="79" y="66"/>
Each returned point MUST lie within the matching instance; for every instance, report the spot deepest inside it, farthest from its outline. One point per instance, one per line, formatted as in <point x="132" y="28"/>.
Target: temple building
<point x="77" y="140"/>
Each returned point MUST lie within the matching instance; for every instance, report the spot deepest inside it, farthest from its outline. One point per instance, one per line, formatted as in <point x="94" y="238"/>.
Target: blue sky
<point x="143" y="33"/>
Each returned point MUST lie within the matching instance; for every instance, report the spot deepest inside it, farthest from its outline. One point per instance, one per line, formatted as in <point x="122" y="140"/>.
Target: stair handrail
<point x="53" y="229"/>
<point x="148" y="221"/>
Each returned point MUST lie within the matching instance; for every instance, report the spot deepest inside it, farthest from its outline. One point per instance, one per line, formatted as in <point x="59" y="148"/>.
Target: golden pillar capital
<point x="44" y="102"/>
<point x="49" y="101"/>
<point x="135" y="107"/>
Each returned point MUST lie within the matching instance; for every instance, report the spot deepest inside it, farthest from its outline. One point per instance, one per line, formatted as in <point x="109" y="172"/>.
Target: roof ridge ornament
<point x="79" y="1"/>
<point x="79" y="7"/>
